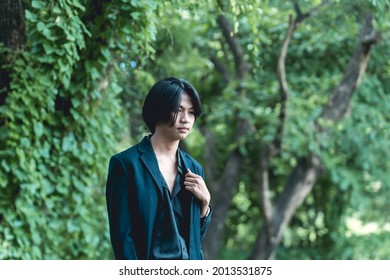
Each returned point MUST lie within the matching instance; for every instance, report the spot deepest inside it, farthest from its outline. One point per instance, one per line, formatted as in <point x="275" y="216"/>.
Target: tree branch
<point x="302" y="16"/>
<point x="270" y="150"/>
<point x="283" y="86"/>
<point x="224" y="71"/>
<point x="265" y="194"/>
<point x="235" y="47"/>
<point x="281" y="68"/>
<point x="338" y="103"/>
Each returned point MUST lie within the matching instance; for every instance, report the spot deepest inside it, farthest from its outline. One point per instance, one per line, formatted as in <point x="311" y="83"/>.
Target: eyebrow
<point x="180" y="106"/>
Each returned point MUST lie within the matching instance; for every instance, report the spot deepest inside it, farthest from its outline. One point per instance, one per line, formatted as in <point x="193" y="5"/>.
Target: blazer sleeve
<point x="205" y="221"/>
<point x="119" y="216"/>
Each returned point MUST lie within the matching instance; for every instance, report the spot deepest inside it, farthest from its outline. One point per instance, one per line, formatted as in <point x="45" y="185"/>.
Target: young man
<point x="157" y="199"/>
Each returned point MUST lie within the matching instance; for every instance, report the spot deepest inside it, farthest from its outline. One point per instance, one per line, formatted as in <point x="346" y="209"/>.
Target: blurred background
<point x="294" y="139"/>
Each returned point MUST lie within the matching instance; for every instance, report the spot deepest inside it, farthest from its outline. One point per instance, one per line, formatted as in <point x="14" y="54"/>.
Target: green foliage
<point x="353" y="152"/>
<point x="243" y="224"/>
<point x="69" y="104"/>
<point x="60" y="124"/>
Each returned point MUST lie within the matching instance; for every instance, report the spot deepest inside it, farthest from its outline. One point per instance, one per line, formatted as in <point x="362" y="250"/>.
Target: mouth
<point x="183" y="129"/>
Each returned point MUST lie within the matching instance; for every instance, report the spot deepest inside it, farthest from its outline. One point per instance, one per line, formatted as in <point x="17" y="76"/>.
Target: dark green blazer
<point x="134" y="195"/>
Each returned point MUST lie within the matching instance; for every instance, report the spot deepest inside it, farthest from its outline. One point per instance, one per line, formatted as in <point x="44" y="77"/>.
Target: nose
<point x="184" y="117"/>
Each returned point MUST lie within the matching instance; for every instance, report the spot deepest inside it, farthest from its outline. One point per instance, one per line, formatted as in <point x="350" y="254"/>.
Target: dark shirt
<point x="173" y="221"/>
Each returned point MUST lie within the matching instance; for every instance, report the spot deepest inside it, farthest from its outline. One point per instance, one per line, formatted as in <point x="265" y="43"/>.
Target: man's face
<point x="184" y="121"/>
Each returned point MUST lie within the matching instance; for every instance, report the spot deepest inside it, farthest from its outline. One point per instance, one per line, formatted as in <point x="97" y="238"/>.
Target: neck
<point x="161" y="145"/>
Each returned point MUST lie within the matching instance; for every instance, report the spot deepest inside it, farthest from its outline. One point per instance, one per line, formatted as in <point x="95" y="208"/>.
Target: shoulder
<point x="126" y="153"/>
<point x="126" y="156"/>
<point x="124" y="162"/>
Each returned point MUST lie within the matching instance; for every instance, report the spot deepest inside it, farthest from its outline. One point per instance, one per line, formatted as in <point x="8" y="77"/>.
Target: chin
<point x="182" y="136"/>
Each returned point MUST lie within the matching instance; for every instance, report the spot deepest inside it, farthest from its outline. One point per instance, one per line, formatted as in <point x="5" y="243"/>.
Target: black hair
<point x="162" y="103"/>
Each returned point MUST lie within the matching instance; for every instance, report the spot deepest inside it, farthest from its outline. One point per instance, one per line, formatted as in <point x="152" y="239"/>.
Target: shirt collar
<point x="179" y="164"/>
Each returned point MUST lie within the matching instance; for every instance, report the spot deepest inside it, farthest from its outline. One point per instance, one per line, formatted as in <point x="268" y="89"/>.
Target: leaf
<point x="38" y="129"/>
<point x="39" y="5"/>
<point x="41" y="26"/>
<point x="5" y="165"/>
<point x="31" y="16"/>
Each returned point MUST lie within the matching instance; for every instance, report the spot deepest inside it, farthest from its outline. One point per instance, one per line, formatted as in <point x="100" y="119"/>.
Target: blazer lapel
<point x="149" y="160"/>
<point x="184" y="161"/>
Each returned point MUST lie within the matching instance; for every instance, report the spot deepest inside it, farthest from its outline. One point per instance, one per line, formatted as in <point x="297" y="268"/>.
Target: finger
<point x="194" y="184"/>
<point x="190" y="185"/>
<point x="193" y="176"/>
<point x="190" y="174"/>
<point x="192" y="180"/>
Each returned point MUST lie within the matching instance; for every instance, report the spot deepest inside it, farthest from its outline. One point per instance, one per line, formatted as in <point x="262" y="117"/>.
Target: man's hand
<point x="195" y="184"/>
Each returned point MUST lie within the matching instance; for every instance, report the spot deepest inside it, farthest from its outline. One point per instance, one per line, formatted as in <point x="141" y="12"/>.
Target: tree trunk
<point x="222" y="193"/>
<point x="307" y="170"/>
<point x="298" y="186"/>
<point x="12" y="35"/>
<point x="223" y="189"/>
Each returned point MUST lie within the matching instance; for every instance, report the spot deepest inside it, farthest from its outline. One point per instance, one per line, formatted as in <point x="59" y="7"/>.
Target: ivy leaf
<point x="31" y="16"/>
<point x="39" y="5"/>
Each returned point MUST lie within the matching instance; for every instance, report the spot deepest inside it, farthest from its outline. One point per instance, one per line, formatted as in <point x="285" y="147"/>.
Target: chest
<point x="168" y="169"/>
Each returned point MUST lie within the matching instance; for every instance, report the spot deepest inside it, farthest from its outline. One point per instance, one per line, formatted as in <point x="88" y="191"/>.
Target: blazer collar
<point x="149" y="159"/>
<point x="184" y="161"/>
